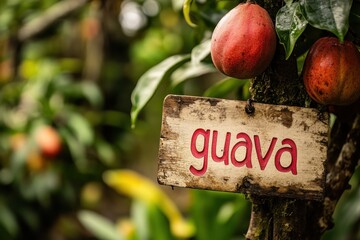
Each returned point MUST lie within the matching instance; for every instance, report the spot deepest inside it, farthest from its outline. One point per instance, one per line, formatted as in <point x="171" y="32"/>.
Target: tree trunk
<point x="282" y="218"/>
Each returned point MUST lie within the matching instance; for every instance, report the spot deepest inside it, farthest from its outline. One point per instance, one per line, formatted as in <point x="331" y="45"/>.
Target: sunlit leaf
<point x="190" y="70"/>
<point x="149" y="82"/>
<point x="106" y="152"/>
<point x="186" y="11"/>
<point x="330" y="15"/>
<point x="225" y="212"/>
<point x="127" y="228"/>
<point x="224" y="87"/>
<point x="290" y="24"/>
<point x="87" y="90"/>
<point x="201" y="51"/>
<point x="81" y="128"/>
<point x="92" y="93"/>
<point x="135" y="186"/>
<point x="139" y="215"/>
<point x="98" y="225"/>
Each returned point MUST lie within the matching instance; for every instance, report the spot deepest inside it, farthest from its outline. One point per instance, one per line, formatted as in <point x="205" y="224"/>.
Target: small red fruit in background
<point x="48" y="141"/>
<point x="244" y="41"/>
<point x="34" y="160"/>
<point x="331" y="72"/>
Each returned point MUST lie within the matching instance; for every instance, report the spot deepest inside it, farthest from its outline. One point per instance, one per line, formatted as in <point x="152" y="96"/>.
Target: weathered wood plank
<point x="214" y="144"/>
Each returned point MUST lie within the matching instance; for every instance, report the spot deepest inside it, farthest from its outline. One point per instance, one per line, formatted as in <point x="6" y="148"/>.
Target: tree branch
<point x="260" y="221"/>
<point x="340" y="172"/>
<point x="48" y="18"/>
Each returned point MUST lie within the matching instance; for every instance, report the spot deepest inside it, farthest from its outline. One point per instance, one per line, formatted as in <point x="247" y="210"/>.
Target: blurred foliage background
<point x="71" y="66"/>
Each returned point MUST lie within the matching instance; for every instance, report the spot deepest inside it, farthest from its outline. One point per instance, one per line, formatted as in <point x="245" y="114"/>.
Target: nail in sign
<point x="213" y="144"/>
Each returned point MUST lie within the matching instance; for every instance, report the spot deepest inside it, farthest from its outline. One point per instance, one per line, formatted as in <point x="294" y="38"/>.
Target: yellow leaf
<point x="186" y="12"/>
<point x="135" y="186"/>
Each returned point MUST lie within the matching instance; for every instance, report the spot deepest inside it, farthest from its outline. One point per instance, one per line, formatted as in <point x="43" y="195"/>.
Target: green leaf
<point x="81" y="128"/>
<point x="186" y="12"/>
<point x="159" y="224"/>
<point x="290" y="24"/>
<point x="149" y="82"/>
<point x="8" y="220"/>
<point x="101" y="227"/>
<point x="106" y="152"/>
<point x="77" y="149"/>
<point x="87" y="90"/>
<point x="92" y="93"/>
<point x="224" y="87"/>
<point x="190" y="70"/>
<point x="330" y="15"/>
<point x="201" y="51"/>
<point x="140" y="216"/>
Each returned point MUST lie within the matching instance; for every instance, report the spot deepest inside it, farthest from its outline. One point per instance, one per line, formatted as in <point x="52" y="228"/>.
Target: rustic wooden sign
<point x="214" y="144"/>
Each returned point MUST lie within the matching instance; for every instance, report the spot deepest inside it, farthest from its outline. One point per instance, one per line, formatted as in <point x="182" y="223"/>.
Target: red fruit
<point x="48" y="140"/>
<point x="331" y="72"/>
<point x="244" y="41"/>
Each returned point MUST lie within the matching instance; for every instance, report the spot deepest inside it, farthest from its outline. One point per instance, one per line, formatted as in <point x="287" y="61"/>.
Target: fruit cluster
<point x="244" y="42"/>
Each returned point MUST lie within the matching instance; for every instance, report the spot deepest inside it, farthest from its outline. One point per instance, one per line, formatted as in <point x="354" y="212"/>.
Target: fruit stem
<point x="251" y="1"/>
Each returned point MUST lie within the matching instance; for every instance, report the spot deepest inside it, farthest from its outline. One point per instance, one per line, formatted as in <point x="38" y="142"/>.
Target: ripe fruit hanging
<point x="48" y="140"/>
<point x="244" y="41"/>
<point x="331" y="72"/>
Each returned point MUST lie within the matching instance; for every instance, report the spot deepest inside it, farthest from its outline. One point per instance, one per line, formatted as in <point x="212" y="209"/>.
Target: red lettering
<point x="263" y="160"/>
<point x="200" y="154"/>
<point x="248" y="146"/>
<point x="200" y="149"/>
<point x="293" y="153"/>
<point x="225" y="156"/>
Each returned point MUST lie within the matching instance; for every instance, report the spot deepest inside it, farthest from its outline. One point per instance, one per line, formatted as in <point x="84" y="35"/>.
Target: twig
<point x="49" y="17"/>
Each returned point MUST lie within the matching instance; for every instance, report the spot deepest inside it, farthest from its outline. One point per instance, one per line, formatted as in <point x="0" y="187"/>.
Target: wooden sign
<point x="213" y="144"/>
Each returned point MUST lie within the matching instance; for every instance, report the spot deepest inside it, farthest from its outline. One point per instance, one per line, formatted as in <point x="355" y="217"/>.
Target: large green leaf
<point x="201" y="51"/>
<point x="290" y="24"/>
<point x="189" y="71"/>
<point x="149" y="82"/>
<point x="330" y="15"/>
